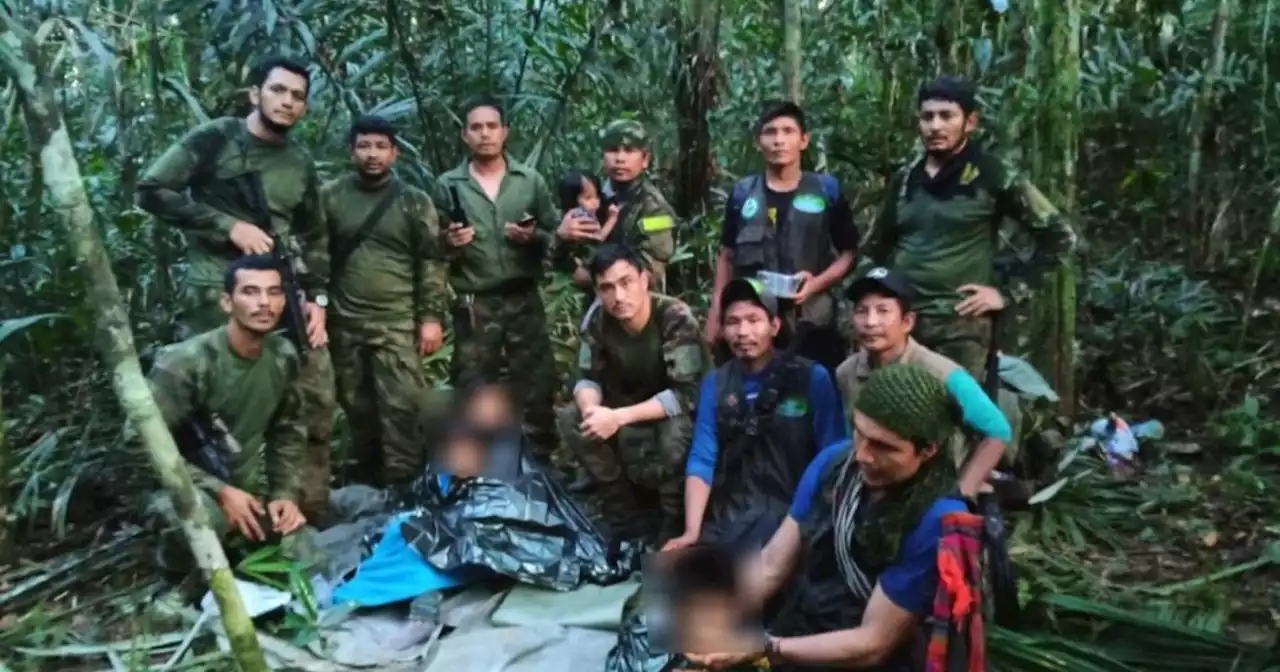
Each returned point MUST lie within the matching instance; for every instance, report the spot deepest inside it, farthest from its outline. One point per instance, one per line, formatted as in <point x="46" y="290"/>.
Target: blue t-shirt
<point x="829" y="425"/>
<point x="912" y="581"/>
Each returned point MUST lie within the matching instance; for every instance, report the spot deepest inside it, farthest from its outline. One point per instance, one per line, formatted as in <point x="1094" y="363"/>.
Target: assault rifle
<point x="204" y="440"/>
<point x="294" y="321"/>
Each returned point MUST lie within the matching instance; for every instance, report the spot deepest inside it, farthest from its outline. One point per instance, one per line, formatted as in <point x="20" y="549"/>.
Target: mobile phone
<point x="527" y="222"/>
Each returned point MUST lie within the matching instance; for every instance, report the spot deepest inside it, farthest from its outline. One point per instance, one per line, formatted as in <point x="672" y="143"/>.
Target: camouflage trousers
<point x="201" y="312"/>
<point x="498" y="329"/>
<point x="382" y="390"/>
<point x="174" y="552"/>
<point x="964" y="340"/>
<point x="640" y="472"/>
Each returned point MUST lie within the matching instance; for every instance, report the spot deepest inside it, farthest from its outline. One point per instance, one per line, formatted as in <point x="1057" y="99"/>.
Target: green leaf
<point x="18" y="324"/>
<point x="1049" y="492"/>
<point x="184" y="92"/>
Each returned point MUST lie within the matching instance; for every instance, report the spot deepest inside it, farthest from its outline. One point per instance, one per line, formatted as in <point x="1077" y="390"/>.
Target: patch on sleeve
<point x="657" y="223"/>
<point x="687" y="360"/>
<point x="584" y="356"/>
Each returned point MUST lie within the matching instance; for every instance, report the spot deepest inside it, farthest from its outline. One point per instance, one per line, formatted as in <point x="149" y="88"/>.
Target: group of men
<point x="690" y="432"/>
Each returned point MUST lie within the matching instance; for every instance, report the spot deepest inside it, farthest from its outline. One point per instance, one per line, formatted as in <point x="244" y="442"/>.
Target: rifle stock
<point x="294" y="321"/>
<point x="203" y="440"/>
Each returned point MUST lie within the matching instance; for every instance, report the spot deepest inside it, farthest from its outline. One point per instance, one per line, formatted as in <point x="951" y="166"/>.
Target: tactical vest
<point x="765" y="445"/>
<point x="629" y="230"/>
<point x="806" y="241"/>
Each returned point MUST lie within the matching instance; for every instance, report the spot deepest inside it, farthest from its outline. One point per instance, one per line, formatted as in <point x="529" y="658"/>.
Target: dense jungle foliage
<point x="1153" y="123"/>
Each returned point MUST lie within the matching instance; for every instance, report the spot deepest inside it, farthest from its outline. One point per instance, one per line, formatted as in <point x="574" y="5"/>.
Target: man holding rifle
<point x="237" y="186"/>
<point x="230" y="396"/>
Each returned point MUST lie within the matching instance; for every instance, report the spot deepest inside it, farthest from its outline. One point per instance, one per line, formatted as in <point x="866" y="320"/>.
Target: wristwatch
<point x="321" y="299"/>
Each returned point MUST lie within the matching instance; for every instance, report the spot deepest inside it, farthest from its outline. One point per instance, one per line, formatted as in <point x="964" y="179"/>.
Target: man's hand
<point x="981" y="300"/>
<point x="285" y="516"/>
<point x="575" y="228"/>
<point x="317" y="336"/>
<point x="249" y="238"/>
<point x="241" y="510"/>
<point x="430" y="338"/>
<point x="458" y="235"/>
<point x="683" y="541"/>
<point x="518" y="234"/>
<point x="807" y="287"/>
<point x="600" y="423"/>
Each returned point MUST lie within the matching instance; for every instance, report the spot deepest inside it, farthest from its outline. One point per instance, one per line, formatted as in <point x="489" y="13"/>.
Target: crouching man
<point x="762" y="418"/>
<point x="631" y="421"/>
<point x="230" y="397"/>
<point x="868" y="530"/>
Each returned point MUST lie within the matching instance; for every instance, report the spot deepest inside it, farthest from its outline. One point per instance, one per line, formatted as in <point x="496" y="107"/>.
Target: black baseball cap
<point x="881" y="279"/>
<point x="748" y="289"/>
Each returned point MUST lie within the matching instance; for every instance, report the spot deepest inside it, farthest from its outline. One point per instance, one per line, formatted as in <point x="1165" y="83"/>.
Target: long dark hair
<point x="570" y="187"/>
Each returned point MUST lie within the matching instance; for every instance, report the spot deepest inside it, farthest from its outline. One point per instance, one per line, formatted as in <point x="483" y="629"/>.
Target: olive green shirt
<point x="491" y="261"/>
<point x="256" y="398"/>
<point x="943" y="232"/>
<point x="398" y="273"/>
<point x="206" y="206"/>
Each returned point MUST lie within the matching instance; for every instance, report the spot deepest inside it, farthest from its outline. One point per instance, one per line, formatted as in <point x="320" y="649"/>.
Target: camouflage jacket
<point x="944" y="232"/>
<point x="206" y="161"/>
<point x="257" y="399"/>
<point x="399" y="273"/>
<point x="666" y="359"/>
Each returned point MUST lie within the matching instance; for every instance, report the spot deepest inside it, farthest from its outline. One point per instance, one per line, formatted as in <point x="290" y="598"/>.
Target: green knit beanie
<point x="909" y="401"/>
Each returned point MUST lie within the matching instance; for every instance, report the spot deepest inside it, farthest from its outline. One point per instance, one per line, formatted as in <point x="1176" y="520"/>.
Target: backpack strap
<point x="208" y="145"/>
<point x="340" y="252"/>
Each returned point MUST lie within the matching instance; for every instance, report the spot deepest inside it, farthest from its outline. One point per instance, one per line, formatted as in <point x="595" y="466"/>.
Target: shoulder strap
<point x="339" y="253"/>
<point x="209" y="145"/>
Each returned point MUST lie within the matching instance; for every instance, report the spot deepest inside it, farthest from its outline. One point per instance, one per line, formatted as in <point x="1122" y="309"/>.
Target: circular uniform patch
<point x="750" y="208"/>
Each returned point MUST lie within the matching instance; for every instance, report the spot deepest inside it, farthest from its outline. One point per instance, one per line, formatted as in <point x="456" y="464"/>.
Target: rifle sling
<point x="339" y="253"/>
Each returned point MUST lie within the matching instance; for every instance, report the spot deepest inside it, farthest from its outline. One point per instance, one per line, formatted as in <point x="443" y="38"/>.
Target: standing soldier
<point x="940" y="228"/>
<point x="389" y="298"/>
<point x="633" y="211"/>
<point x="238" y="186"/>
<point x="790" y="221"/>
<point x="501" y="222"/>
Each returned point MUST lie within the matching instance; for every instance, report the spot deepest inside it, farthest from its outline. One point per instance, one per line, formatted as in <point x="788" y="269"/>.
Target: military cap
<point x="625" y="133"/>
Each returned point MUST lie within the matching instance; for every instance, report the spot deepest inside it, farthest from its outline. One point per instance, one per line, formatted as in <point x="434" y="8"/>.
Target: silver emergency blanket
<point x="520" y="524"/>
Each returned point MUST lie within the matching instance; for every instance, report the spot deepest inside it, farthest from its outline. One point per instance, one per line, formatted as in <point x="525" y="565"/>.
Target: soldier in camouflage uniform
<point x="501" y="222"/>
<point x="630" y="425"/>
<point x="634" y="212"/>
<point x="247" y="377"/>
<point x="940" y="227"/>
<point x="218" y="223"/>
<point x="390" y="293"/>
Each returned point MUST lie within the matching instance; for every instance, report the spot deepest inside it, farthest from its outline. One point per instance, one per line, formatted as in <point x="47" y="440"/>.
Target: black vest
<point x="764" y="446"/>
<point x="806" y="241"/>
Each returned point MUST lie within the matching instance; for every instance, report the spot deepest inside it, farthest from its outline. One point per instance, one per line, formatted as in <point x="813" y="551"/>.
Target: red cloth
<point x="957" y="642"/>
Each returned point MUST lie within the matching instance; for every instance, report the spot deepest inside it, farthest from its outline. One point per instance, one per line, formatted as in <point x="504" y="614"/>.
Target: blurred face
<point x="484" y="133"/>
<point x="944" y="127"/>
<point x="624" y="164"/>
<point x="589" y="198"/>
<point x="490" y="409"/>
<point x="781" y="141"/>
<point x="886" y="458"/>
<point x="465" y="457"/>
<point x="749" y="330"/>
<point x="623" y="290"/>
<point x="879" y="323"/>
<point x="373" y="154"/>
<point x="710" y="622"/>
<point x="281" y="100"/>
<point x="256" y="302"/>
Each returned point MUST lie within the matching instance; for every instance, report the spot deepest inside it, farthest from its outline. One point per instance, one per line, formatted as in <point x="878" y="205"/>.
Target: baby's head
<point x="579" y="189"/>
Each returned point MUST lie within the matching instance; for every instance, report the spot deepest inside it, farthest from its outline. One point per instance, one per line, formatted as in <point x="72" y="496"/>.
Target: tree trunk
<point x="792" y="51"/>
<point x="1199" y="119"/>
<point x="698" y="26"/>
<point x="19" y="56"/>
<point x="1054" y="319"/>
<point x="7" y="546"/>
